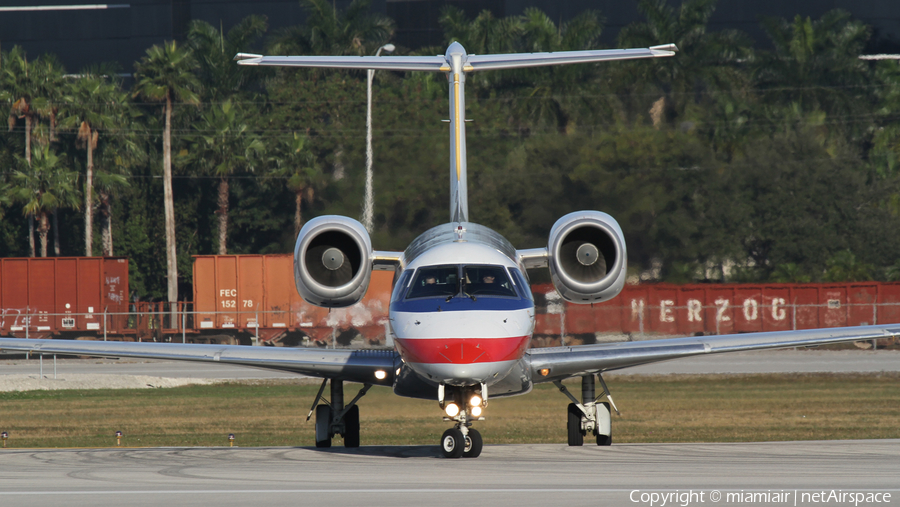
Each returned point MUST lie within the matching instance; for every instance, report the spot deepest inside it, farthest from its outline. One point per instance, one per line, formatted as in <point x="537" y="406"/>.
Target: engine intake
<point x="332" y="261"/>
<point x="587" y="257"/>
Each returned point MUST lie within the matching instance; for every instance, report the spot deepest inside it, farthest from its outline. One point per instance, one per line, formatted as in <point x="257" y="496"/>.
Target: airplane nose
<point x="466" y="352"/>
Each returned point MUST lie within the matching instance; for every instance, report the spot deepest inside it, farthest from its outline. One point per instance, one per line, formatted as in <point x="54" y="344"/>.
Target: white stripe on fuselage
<point x="463" y="324"/>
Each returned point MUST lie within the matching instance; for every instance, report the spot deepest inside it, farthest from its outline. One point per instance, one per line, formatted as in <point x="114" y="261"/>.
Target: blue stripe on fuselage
<point x="460" y="304"/>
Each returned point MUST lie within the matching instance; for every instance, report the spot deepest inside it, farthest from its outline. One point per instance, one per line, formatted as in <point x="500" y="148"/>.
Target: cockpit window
<point x="487" y="281"/>
<point x="401" y="285"/>
<point x="435" y="281"/>
<point x="522" y="283"/>
<point x="476" y="281"/>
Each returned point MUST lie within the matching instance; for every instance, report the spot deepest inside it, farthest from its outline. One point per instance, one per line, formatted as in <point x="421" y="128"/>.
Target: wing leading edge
<point x="347" y="365"/>
<point x="558" y="363"/>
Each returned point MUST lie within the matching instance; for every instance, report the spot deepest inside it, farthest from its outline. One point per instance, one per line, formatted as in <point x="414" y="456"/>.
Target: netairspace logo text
<point x="785" y="497"/>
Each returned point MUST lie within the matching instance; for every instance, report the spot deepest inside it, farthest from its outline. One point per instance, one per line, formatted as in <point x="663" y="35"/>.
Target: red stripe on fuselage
<point x="462" y="350"/>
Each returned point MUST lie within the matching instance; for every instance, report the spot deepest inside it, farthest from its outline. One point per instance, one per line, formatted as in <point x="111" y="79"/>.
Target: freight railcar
<point x="655" y="310"/>
<point x="68" y="297"/>
<point x="251" y="299"/>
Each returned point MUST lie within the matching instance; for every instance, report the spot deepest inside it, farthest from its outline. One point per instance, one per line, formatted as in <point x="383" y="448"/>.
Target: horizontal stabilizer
<point x="520" y="60"/>
<point x="398" y="63"/>
<point x="471" y="62"/>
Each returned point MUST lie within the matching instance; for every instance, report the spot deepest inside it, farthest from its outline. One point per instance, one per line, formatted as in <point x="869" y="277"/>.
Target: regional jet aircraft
<point x="461" y="312"/>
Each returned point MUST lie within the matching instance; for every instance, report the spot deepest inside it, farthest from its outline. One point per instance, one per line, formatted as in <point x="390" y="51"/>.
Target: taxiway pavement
<point x="519" y="475"/>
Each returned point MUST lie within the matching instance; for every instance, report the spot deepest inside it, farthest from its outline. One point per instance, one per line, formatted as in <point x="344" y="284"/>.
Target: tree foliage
<point x="727" y="162"/>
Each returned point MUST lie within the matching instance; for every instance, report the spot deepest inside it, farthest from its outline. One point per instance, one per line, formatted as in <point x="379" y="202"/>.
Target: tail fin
<point x="459" y="202"/>
<point x="456" y="63"/>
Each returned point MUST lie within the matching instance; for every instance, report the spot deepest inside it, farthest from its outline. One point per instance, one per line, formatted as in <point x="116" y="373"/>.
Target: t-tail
<point x="456" y="63"/>
<point x="459" y="202"/>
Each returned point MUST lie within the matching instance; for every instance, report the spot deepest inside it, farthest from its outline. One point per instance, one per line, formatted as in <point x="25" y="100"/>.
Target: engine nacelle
<point x="332" y="261"/>
<point x="587" y="257"/>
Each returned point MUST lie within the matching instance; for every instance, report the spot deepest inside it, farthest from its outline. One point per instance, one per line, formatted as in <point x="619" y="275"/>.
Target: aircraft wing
<point x="349" y="365"/>
<point x="557" y="363"/>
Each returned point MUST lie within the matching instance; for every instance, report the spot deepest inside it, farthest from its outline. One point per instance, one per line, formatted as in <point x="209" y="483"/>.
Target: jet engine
<point x="587" y="257"/>
<point x="332" y="261"/>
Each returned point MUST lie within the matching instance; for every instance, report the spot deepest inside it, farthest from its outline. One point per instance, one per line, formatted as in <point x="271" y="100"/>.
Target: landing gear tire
<point x="474" y="444"/>
<point x="323" y="426"/>
<point x="453" y="443"/>
<point x="351" y="427"/>
<point x="576" y="436"/>
<point x="604" y="439"/>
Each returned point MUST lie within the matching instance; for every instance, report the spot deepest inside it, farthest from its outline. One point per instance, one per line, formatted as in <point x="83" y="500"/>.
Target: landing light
<point x="475" y="401"/>
<point x="452" y="410"/>
<point x="380" y="374"/>
<point x="544" y="372"/>
<point x="476" y="411"/>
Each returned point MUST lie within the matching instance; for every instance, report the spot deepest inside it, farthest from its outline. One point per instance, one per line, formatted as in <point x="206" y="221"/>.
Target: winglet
<point x="246" y="56"/>
<point x="664" y="47"/>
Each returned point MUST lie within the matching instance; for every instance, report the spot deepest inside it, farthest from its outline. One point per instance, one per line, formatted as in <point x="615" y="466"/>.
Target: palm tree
<point x="17" y="91"/>
<point x="31" y="90"/>
<point x="167" y="74"/>
<point x="556" y="94"/>
<point x="225" y="144"/>
<point x="95" y="104"/>
<point x="815" y="63"/>
<point x="51" y="90"/>
<point x="43" y="185"/>
<point x="329" y="31"/>
<point x="296" y="164"/>
<point x="120" y="153"/>
<point x="706" y="60"/>
<point x="108" y="184"/>
<point x="215" y="50"/>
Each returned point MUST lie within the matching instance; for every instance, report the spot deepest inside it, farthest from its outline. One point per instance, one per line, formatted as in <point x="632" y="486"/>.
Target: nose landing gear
<point x="462" y="440"/>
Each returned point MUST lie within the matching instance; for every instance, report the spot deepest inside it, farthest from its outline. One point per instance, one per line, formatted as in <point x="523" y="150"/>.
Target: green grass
<point x="654" y="409"/>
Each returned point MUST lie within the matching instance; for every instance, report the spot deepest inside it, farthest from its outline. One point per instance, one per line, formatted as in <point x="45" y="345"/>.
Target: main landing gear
<point x="462" y="440"/>
<point x="334" y="418"/>
<point x="591" y="415"/>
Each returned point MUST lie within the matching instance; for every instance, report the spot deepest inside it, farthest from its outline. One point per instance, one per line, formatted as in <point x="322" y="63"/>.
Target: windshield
<point x="487" y="281"/>
<point x="477" y="280"/>
<point x="436" y="281"/>
<point x="520" y="280"/>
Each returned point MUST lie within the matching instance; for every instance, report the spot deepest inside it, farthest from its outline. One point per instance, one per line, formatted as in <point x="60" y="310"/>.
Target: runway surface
<point x="768" y="361"/>
<point x="545" y="475"/>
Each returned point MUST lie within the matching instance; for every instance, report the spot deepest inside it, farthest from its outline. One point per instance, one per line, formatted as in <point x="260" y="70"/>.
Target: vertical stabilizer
<point x="456" y="68"/>
<point x="456" y="63"/>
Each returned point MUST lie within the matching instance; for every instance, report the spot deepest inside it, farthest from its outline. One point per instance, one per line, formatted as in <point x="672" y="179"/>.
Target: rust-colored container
<point x="255" y="294"/>
<point x="50" y="296"/>
<point x="665" y="309"/>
